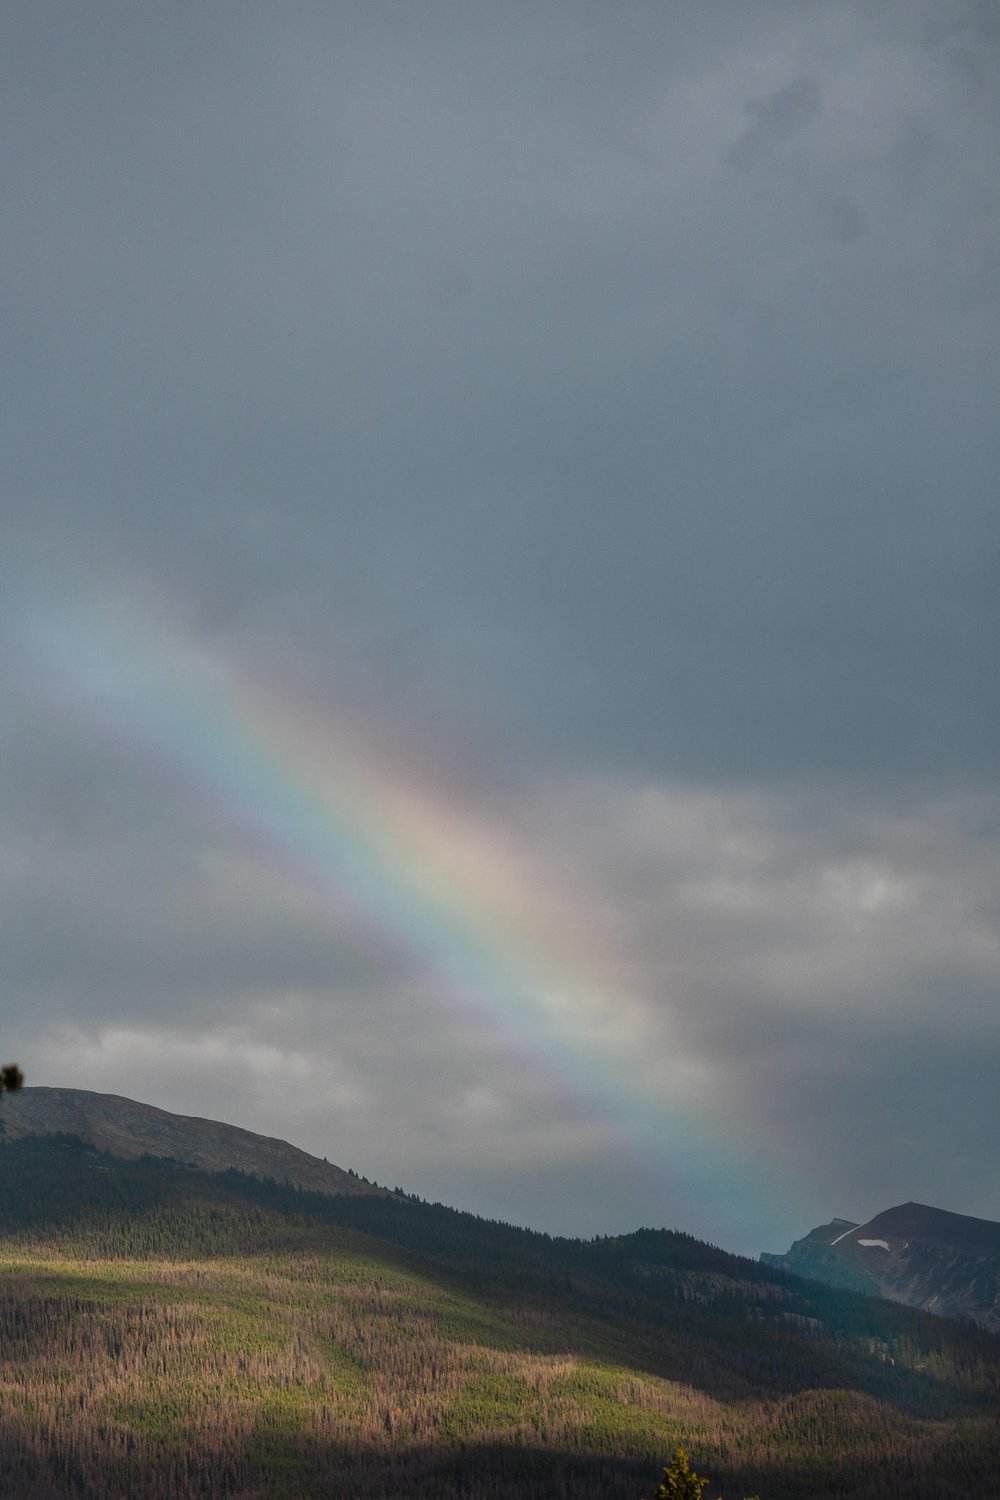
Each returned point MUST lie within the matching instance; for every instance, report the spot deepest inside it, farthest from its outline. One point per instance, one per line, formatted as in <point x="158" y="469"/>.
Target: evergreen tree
<point x="679" y="1481"/>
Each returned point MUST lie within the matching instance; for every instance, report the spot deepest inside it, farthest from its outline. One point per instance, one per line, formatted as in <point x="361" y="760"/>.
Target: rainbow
<point x="323" y="803"/>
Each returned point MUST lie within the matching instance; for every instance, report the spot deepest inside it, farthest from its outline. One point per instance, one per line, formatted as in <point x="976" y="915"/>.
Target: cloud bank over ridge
<point x="601" y="412"/>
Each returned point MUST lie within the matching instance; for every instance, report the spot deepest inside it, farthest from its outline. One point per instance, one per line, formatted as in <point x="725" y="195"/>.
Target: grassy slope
<point x="165" y="1334"/>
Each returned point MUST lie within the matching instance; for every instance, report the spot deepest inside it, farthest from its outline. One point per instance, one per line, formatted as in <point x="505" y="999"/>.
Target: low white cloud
<point x="174" y="1066"/>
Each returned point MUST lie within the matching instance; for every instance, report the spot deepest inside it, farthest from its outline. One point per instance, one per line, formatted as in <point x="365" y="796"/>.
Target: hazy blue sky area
<point x="589" y="414"/>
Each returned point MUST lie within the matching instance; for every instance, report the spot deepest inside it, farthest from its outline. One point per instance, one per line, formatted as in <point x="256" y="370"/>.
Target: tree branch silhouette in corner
<point x="11" y="1079"/>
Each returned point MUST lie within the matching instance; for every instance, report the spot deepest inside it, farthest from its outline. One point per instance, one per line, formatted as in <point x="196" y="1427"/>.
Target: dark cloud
<point x="848" y="222"/>
<point x="590" y="401"/>
<point x="776" y="118"/>
<point x="966" y="34"/>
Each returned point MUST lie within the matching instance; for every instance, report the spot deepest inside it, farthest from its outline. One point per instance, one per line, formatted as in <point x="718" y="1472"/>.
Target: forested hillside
<point x="164" y="1333"/>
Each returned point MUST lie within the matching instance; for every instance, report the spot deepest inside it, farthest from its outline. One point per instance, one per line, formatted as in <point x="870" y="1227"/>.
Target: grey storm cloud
<point x="601" y="399"/>
<point x="775" y="118"/>
<point x="847" y="221"/>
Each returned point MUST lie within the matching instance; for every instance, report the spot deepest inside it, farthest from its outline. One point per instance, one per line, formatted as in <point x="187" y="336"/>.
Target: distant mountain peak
<point x="124" y="1127"/>
<point x="927" y="1257"/>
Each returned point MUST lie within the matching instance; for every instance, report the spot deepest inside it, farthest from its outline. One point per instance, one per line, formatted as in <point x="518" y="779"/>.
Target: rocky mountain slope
<point x="926" y="1257"/>
<point x="127" y="1129"/>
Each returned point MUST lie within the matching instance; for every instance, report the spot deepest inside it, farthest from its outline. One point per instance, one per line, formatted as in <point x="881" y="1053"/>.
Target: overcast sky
<point x="560" y="443"/>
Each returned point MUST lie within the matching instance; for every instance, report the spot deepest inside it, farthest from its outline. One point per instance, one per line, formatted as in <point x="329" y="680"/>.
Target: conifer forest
<point x="170" y="1335"/>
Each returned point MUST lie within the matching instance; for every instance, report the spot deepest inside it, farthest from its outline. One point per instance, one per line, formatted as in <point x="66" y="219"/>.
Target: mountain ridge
<point x="925" y="1257"/>
<point x="168" y="1333"/>
<point x="129" y="1129"/>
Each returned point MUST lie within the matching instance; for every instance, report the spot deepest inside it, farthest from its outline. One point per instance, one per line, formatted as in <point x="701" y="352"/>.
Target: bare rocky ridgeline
<point x="926" y="1257"/>
<point x="128" y="1129"/>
